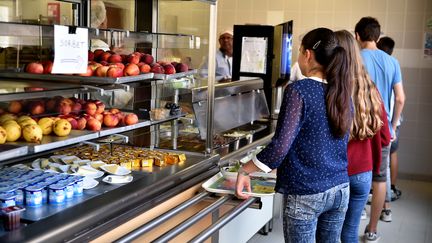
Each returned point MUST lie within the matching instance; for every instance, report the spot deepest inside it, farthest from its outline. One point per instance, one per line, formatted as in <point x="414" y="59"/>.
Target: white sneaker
<point x="371" y="237"/>
<point x="386" y="215"/>
<point x="363" y="214"/>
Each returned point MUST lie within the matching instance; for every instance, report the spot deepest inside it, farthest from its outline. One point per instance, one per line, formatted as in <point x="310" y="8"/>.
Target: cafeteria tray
<point x="74" y="78"/>
<point x="174" y="76"/>
<point x="261" y="186"/>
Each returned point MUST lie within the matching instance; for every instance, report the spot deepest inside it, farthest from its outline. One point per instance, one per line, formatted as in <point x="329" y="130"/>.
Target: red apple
<point x="88" y="73"/>
<point x="73" y="122"/>
<point x="169" y="69"/>
<point x="114" y="110"/>
<point x="145" y="68"/>
<point x="15" y="107"/>
<point x="181" y="67"/>
<point x="104" y="63"/>
<point x="90" y="55"/>
<point x="100" y="106"/>
<point x="131" y="70"/>
<point x="94" y="65"/>
<point x="114" y="58"/>
<point x="97" y="53"/>
<point x="124" y="58"/>
<point x="119" y="65"/>
<point x="47" y="65"/>
<point x="99" y="117"/>
<point x="90" y="108"/>
<point x="156" y="68"/>
<point x="148" y="59"/>
<point x="76" y="108"/>
<point x="36" y="107"/>
<point x="81" y="123"/>
<point x="130" y="119"/>
<point x="105" y="56"/>
<point x="93" y="124"/>
<point x="101" y="71"/>
<point x="110" y="120"/>
<point x="34" y="67"/>
<point x="114" y="72"/>
<point x="132" y="58"/>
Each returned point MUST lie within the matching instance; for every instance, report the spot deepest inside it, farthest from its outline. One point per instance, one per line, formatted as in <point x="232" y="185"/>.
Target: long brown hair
<point x="334" y="60"/>
<point x="365" y="96"/>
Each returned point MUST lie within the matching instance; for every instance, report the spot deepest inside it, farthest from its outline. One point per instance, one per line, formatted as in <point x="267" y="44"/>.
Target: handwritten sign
<point x="70" y="50"/>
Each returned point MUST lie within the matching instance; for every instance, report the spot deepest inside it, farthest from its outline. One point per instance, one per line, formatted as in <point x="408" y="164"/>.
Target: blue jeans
<point x="360" y="185"/>
<point x="317" y="217"/>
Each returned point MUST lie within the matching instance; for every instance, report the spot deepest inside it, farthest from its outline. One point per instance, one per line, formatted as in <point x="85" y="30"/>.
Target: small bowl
<point x="227" y="174"/>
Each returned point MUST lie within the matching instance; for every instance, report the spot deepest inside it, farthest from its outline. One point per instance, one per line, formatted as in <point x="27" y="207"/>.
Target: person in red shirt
<point x="368" y="133"/>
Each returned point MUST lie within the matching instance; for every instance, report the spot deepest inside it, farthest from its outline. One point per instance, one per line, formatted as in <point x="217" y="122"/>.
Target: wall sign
<point x="70" y="49"/>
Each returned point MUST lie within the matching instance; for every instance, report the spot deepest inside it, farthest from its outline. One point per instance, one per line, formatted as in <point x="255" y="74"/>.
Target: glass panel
<point x="185" y="17"/>
<point x="37" y="12"/>
<point x="113" y="14"/>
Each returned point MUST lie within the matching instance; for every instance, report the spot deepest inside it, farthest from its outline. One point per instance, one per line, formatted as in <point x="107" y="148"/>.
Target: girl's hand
<point x="243" y="181"/>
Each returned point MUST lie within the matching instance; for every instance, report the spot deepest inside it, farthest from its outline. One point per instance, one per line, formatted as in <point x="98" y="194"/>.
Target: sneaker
<point x="371" y="237"/>
<point x="363" y="214"/>
<point x="386" y="215"/>
<point x="397" y="191"/>
<point x="394" y="196"/>
<point x="369" y="201"/>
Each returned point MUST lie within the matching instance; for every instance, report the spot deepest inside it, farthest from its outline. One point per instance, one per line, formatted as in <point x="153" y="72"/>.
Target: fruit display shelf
<point x="50" y="142"/>
<point x="76" y="79"/>
<point x="10" y="151"/>
<point x="105" y="131"/>
<point x="175" y="75"/>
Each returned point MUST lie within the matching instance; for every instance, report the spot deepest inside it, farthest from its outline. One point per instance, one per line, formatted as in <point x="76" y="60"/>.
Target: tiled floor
<point x="412" y="218"/>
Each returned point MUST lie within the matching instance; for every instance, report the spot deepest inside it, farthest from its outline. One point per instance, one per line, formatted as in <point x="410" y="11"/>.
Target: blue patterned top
<point x="308" y="157"/>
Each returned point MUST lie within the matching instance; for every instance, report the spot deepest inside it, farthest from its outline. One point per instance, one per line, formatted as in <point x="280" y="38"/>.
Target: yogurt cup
<point x="57" y="194"/>
<point x="34" y="196"/>
<point x="7" y="200"/>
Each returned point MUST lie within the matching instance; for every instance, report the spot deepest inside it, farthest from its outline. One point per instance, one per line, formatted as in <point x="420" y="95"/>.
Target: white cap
<point x="98" y="13"/>
<point x="226" y="32"/>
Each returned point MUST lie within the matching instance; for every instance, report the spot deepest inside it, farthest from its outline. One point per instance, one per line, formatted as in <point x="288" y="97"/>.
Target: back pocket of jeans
<point x="304" y="207"/>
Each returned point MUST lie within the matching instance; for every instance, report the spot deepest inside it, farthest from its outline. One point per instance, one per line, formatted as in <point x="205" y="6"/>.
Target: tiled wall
<point x="403" y="20"/>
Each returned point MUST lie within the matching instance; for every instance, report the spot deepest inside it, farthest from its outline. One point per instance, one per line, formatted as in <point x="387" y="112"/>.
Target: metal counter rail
<point x="190" y="221"/>
<point x="224" y="220"/>
<point x="159" y="220"/>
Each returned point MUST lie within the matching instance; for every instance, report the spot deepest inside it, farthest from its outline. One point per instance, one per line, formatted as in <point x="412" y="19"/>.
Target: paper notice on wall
<point x="254" y="55"/>
<point x="70" y="49"/>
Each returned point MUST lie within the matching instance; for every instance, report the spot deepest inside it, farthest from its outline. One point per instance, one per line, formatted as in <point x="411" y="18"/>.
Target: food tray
<point x="174" y="76"/>
<point x="261" y="186"/>
<point x="74" y="78"/>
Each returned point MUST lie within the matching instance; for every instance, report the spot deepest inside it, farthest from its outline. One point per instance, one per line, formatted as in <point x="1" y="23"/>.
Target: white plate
<point x="115" y="179"/>
<point x="69" y="159"/>
<point x="89" y="183"/>
<point x="96" y="163"/>
<point x="121" y="171"/>
<point x="90" y="172"/>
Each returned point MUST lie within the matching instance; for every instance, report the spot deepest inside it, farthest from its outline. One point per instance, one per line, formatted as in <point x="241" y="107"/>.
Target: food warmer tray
<point x="10" y="151"/>
<point x="143" y="177"/>
<point x="74" y="78"/>
<point x="154" y="122"/>
<point x="174" y="76"/>
<point x="108" y="131"/>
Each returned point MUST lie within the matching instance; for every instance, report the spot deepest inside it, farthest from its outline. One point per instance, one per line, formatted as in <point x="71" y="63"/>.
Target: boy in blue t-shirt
<point x="385" y="71"/>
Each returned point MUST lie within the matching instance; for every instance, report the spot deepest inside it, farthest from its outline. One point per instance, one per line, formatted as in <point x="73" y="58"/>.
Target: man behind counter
<point x="223" y="58"/>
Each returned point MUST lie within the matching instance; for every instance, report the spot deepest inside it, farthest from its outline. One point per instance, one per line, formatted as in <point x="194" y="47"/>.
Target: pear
<point x="7" y="117"/>
<point x="32" y="133"/>
<point x="22" y="118"/>
<point x="27" y="122"/>
<point x="62" y="127"/>
<point x="3" y="135"/>
<point x="46" y="124"/>
<point x="13" y="132"/>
